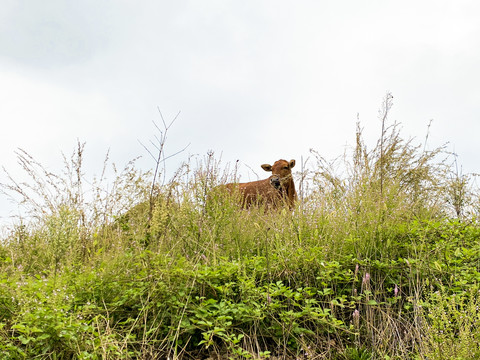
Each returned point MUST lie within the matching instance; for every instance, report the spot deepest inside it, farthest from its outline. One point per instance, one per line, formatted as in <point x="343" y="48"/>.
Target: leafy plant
<point x="452" y="325"/>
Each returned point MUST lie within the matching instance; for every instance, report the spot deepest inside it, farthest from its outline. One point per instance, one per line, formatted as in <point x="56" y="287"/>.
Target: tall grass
<point x="363" y="268"/>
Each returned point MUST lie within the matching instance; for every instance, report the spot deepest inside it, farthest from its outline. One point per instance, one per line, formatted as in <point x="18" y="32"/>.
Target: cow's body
<point x="275" y="191"/>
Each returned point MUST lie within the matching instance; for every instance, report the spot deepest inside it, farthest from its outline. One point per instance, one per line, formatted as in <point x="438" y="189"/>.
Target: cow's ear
<point x="267" y="167"/>
<point x="291" y="164"/>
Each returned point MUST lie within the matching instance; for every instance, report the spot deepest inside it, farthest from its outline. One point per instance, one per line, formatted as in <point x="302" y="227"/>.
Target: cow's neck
<point x="289" y="187"/>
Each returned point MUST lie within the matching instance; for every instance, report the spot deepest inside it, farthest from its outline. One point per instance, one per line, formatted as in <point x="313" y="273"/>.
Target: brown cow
<point x="276" y="190"/>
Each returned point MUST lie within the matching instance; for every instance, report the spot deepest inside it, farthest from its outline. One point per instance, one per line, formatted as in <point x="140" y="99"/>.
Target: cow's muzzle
<point x="275" y="182"/>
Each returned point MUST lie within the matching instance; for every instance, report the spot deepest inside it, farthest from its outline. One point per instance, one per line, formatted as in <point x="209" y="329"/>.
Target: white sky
<point x="254" y="80"/>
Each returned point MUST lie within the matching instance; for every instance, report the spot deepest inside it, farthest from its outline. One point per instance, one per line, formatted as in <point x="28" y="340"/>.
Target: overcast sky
<point x="255" y="81"/>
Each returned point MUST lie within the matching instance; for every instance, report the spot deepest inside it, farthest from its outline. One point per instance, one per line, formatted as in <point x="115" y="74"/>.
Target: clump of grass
<point x="362" y="199"/>
<point x="66" y="222"/>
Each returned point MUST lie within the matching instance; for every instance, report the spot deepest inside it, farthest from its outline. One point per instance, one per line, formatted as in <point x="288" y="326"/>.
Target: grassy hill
<point x="379" y="260"/>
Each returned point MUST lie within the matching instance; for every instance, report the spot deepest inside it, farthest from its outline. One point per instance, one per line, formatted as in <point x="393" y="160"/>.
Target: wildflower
<point x="356" y="318"/>
<point x="366" y="279"/>
<point x="395" y="291"/>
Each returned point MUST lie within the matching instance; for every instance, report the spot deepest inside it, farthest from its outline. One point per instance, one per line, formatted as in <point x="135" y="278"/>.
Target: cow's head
<point x="281" y="172"/>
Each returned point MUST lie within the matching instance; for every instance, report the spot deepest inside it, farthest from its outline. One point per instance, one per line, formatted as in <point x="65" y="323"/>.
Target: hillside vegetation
<point x="379" y="260"/>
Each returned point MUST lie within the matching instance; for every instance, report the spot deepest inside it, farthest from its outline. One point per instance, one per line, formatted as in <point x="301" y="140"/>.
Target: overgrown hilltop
<point x="380" y="260"/>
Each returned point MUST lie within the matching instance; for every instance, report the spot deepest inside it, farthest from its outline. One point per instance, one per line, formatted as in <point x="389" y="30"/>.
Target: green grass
<point x="380" y="260"/>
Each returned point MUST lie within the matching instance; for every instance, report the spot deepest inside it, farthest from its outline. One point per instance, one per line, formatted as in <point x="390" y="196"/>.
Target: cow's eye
<point x="285" y="168"/>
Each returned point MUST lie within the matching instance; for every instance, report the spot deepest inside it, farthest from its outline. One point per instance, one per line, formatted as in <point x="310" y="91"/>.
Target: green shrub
<point x="451" y="325"/>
